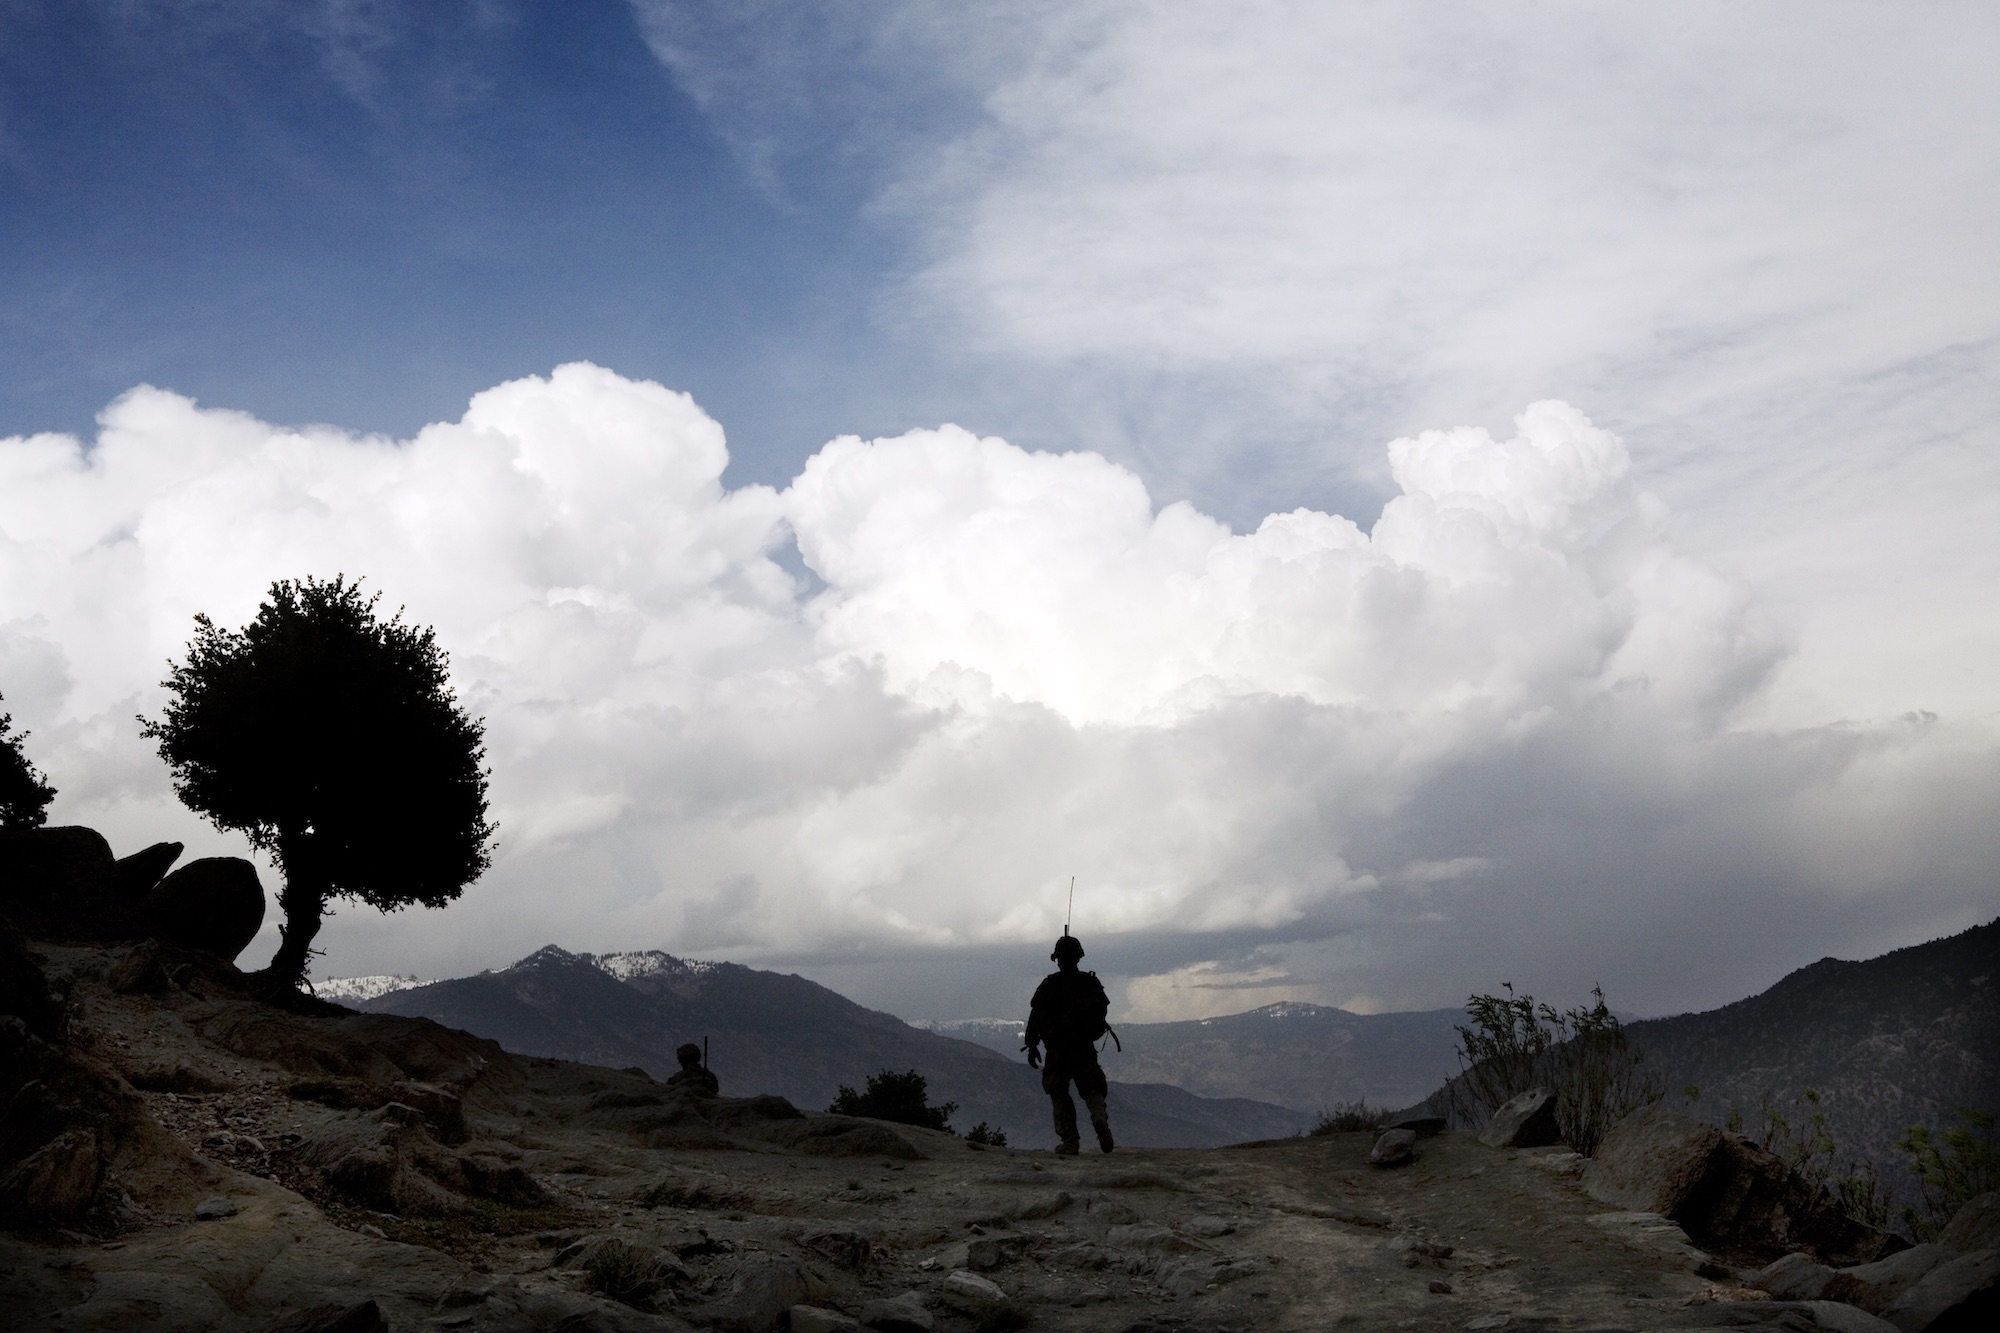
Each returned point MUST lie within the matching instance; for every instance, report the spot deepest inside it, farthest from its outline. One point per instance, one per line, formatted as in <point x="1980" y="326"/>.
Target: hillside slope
<point x="1894" y="1041"/>
<point x="783" y="1034"/>
<point x="302" y="1166"/>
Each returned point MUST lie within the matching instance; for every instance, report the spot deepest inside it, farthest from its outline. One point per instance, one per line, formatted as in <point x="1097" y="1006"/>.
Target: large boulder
<point x="139" y="872"/>
<point x="1397" y="1147"/>
<point x="762" y="1291"/>
<point x="1794" y="1277"/>
<point x="1877" y="1286"/>
<point x="1976" y="1226"/>
<point x="1959" y="1296"/>
<point x="1723" y="1189"/>
<point x="215" y="904"/>
<point x="62" y="884"/>
<point x="1526" y="1121"/>
<point x="1654" y="1161"/>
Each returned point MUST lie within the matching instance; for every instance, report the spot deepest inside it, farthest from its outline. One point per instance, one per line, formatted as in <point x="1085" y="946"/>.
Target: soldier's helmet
<point x="688" y="1054"/>
<point x="1069" y="946"/>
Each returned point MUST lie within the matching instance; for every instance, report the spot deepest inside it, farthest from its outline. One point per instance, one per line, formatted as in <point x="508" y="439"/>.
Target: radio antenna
<point x="1070" y="911"/>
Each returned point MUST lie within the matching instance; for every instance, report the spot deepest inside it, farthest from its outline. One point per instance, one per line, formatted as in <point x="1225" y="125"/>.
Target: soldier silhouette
<point x="1068" y="1015"/>
<point x="694" y="1075"/>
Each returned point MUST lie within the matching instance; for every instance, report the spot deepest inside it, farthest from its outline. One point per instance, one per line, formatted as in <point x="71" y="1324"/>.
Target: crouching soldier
<point x="1068" y="1016"/>
<point x="693" y="1076"/>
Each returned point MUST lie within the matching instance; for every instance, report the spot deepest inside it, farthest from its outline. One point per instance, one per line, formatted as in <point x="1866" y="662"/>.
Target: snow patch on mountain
<point x="363" y="988"/>
<point x="631" y="966"/>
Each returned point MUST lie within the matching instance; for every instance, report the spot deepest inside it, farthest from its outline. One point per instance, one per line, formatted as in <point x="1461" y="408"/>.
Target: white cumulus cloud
<point x="1487" y="709"/>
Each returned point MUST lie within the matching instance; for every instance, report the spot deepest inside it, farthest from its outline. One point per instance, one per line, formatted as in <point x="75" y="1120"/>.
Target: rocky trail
<point x="210" y="1161"/>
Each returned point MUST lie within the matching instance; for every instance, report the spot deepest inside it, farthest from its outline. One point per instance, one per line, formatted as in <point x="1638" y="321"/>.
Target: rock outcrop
<point x="1936" y="1288"/>
<point x="1921" y="1290"/>
<point x="66" y="1119"/>
<point x="1723" y="1189"/>
<point x="62" y="883"/>
<point x="1526" y="1121"/>
<point x="1976" y="1226"/>
<point x="139" y="872"/>
<point x="215" y="904"/>
<point x="1397" y="1147"/>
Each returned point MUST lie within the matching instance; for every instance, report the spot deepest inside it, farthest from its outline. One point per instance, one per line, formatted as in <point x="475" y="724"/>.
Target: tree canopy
<point x="330" y="737"/>
<point x="24" y="792"/>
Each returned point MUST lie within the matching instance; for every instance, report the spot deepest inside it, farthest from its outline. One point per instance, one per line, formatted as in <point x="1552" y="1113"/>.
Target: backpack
<point x="1082" y="1010"/>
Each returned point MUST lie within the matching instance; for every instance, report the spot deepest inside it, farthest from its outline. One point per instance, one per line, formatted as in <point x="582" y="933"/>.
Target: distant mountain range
<point x="784" y="1034"/>
<point x="1305" y="1056"/>
<point x="1894" y="1041"/>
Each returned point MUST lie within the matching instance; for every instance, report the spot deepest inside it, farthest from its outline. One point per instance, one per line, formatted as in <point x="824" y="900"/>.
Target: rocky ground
<point x="313" y="1168"/>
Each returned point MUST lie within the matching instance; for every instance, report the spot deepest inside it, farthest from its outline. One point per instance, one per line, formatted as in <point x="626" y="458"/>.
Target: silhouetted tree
<point x="24" y="792"/>
<point x="331" y="739"/>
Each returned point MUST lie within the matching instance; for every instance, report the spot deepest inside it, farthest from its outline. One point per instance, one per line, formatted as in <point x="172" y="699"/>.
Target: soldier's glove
<point x="1034" y="1056"/>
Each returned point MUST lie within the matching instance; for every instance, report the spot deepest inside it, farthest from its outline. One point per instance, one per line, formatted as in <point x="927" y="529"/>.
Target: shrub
<point x="901" y="1098"/>
<point x="1807" y="1147"/>
<point x="24" y="792"/>
<point x="625" y="1272"/>
<point x="1581" y="1054"/>
<point x="986" y="1136"/>
<point x="1951" y="1168"/>
<point x="1347" y="1118"/>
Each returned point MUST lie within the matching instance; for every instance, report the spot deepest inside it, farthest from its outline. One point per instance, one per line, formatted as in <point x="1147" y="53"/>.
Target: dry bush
<point x="1347" y="1118"/>
<point x="1582" y="1055"/>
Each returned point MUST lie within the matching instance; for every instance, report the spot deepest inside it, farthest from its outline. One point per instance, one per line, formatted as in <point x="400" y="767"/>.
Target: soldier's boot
<point x="1100" y="1120"/>
<point x="1068" y="1148"/>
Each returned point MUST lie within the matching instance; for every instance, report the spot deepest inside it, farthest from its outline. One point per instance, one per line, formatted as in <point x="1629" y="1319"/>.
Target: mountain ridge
<point x="1901" y="1039"/>
<point x="781" y="1033"/>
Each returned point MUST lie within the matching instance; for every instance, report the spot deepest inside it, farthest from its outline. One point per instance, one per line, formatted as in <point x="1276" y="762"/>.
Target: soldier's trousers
<point x="1065" y="1065"/>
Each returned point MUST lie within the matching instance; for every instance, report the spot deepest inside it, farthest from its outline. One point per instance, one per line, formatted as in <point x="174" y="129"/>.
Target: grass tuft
<point x="625" y="1272"/>
<point x="1347" y="1118"/>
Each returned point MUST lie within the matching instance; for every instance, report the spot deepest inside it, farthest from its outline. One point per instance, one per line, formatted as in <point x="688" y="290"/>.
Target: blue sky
<point x="367" y="216"/>
<point x="1392" y="497"/>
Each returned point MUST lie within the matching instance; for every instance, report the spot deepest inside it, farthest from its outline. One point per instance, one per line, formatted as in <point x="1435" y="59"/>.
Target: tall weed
<point x="1582" y="1055"/>
<point x="1951" y="1168"/>
<point x="1808" y="1148"/>
<point x="1347" y="1118"/>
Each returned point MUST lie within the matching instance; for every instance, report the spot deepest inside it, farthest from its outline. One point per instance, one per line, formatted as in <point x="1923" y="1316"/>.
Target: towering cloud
<point x="1506" y="716"/>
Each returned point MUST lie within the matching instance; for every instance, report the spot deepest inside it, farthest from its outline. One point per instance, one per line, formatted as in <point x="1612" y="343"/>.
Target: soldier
<point x="1067" y="1014"/>
<point x="693" y="1076"/>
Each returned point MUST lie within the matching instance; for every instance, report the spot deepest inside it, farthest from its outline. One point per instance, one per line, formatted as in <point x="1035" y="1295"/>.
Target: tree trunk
<point x="304" y="902"/>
